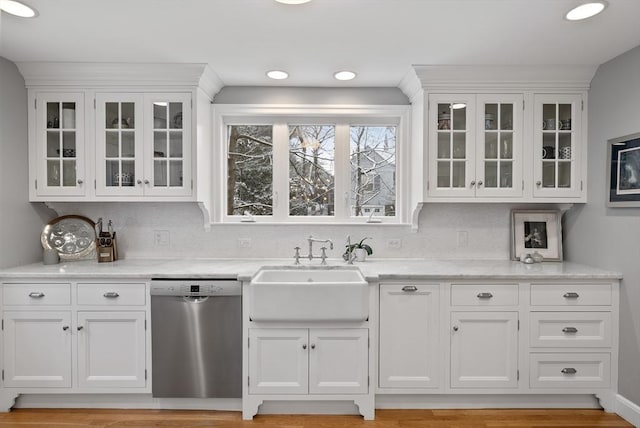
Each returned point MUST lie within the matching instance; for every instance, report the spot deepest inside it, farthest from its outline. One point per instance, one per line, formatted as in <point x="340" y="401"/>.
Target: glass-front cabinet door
<point x="557" y="125"/>
<point x="451" y="145"/>
<point x="168" y="145"/>
<point x="499" y="146"/>
<point x="60" y="144"/>
<point x="119" y="165"/>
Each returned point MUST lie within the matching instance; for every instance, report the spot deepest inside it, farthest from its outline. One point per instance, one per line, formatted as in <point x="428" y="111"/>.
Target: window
<point x="309" y="164"/>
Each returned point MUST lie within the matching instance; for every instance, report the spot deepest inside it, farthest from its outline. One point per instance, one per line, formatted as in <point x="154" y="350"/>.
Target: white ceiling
<point x="379" y="39"/>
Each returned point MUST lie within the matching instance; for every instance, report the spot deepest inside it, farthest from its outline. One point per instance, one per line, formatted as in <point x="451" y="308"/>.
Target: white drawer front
<point x="570" y="370"/>
<point x="112" y="294"/>
<point x="484" y="294"/>
<point x="34" y="294"/>
<point x="570" y="329"/>
<point x="571" y="294"/>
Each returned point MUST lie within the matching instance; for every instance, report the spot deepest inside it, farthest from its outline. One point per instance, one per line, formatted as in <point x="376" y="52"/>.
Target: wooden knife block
<point x="108" y="253"/>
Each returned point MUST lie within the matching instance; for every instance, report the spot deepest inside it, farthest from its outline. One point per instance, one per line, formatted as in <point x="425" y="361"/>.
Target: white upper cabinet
<point x="57" y="158"/>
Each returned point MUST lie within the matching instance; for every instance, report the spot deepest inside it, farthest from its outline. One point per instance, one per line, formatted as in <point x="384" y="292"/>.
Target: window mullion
<point x="342" y="172"/>
<point x="280" y="171"/>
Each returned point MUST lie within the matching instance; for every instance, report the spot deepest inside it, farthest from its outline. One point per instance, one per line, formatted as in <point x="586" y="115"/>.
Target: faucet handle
<point x="323" y="256"/>
<point x="296" y="256"/>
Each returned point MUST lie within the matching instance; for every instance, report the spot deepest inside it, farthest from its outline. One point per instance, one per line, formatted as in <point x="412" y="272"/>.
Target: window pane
<point x="250" y="170"/>
<point x="373" y="170"/>
<point x="311" y="170"/>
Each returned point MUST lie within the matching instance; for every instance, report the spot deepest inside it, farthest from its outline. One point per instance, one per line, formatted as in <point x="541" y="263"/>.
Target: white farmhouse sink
<point x="332" y="293"/>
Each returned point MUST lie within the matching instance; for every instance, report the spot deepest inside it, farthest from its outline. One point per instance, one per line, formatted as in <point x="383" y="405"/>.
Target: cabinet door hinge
<point x="248" y="342"/>
<point x="145" y="324"/>
<point x="2" y="374"/>
<point x="427" y="184"/>
<point x="518" y="324"/>
<point x="523" y="104"/>
<point x="95" y="184"/>
<point x="94" y="103"/>
<point x="368" y="342"/>
<point x="191" y="184"/>
<point x="3" y="324"/>
<point x="517" y="374"/>
<point x="581" y="185"/>
<point x="35" y="104"/>
<point x="522" y="184"/>
<point x="145" y="374"/>
<point x="36" y="184"/>
<point x="191" y="102"/>
<point x="582" y="105"/>
<point x="248" y="381"/>
<point x="368" y="380"/>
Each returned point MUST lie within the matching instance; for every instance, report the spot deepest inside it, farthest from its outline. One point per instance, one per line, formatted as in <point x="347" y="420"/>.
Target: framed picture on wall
<point x="536" y="230"/>
<point x="623" y="171"/>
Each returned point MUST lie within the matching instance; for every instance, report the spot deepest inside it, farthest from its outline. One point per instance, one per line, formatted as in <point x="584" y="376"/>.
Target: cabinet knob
<point x="138" y="181"/>
<point x="538" y="183"/>
<point x="455" y="328"/>
<point x="479" y="183"/>
<point x="146" y="181"/>
<point x="313" y="346"/>
<point x="80" y="181"/>
<point x="80" y="327"/>
<point x="65" y="327"/>
<point x="473" y="183"/>
<point x="304" y="346"/>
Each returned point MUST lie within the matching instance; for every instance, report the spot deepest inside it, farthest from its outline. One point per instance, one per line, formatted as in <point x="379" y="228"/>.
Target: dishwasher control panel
<point x="195" y="287"/>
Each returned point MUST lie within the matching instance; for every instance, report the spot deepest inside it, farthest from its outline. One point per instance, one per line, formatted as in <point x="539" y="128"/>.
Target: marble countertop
<point x="373" y="269"/>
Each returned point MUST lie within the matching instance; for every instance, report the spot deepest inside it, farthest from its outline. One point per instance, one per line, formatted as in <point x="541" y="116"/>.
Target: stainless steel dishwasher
<point x="196" y="336"/>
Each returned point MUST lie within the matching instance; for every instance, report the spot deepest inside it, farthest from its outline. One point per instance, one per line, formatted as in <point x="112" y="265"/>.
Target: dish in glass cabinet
<point x="72" y="236"/>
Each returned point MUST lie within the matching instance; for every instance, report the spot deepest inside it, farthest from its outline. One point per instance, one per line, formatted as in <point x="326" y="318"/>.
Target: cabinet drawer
<point x="484" y="294"/>
<point x="117" y="294"/>
<point x="572" y="329"/>
<point x="34" y="294"/>
<point x="570" y="370"/>
<point x="571" y="294"/>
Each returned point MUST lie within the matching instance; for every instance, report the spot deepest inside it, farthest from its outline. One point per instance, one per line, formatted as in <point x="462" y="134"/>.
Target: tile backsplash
<point x="169" y="230"/>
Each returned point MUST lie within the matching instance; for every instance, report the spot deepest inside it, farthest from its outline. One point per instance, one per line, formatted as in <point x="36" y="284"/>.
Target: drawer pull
<point x="111" y="295"/>
<point x="65" y="327"/>
<point x="36" y="294"/>
<point x="80" y="327"/>
<point x="485" y="295"/>
<point x="409" y="288"/>
<point x="569" y="330"/>
<point x="569" y="370"/>
<point x="571" y="295"/>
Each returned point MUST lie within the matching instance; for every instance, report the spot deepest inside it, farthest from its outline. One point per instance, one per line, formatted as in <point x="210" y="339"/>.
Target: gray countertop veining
<point x="373" y="269"/>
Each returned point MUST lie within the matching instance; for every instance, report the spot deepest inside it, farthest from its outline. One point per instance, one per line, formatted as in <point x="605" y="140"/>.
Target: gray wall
<point x="20" y="221"/>
<point x="610" y="237"/>
<point x="296" y="95"/>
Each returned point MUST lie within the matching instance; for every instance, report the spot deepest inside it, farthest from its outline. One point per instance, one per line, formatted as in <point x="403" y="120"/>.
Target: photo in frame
<point x="623" y="171"/>
<point x="536" y="230"/>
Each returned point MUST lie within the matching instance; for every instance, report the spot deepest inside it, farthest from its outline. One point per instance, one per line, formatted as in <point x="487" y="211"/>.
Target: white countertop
<point x="373" y="269"/>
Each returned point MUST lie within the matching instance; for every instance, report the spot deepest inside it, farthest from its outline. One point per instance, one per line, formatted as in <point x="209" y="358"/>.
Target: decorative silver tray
<point x="72" y="236"/>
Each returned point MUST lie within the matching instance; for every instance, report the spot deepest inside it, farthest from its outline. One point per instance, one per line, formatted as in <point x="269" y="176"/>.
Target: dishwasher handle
<point x="195" y="299"/>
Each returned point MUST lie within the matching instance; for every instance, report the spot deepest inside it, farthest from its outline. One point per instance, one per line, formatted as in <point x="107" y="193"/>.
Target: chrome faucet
<point x="311" y="240"/>
<point x="349" y="256"/>
<point x="310" y="256"/>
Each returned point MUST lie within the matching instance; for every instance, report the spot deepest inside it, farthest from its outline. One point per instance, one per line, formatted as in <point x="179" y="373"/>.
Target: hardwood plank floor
<point x="95" y="418"/>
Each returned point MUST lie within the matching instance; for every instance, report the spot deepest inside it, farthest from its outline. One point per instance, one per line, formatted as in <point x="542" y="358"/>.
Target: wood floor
<point x="67" y="418"/>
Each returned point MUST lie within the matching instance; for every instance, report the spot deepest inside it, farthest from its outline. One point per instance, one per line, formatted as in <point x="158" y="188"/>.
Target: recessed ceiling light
<point x="18" y="9"/>
<point x="586" y="10"/>
<point x="344" y="75"/>
<point x="277" y="74"/>
<point x="293" y="1"/>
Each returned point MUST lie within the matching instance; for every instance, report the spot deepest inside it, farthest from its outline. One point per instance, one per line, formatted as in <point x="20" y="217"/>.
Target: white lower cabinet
<point x="37" y="349"/>
<point x="484" y="349"/>
<point x="308" y="361"/>
<point x="111" y="349"/>
<point x="409" y="336"/>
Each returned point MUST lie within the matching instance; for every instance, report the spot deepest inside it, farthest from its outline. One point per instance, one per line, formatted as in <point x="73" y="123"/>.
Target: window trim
<point x="339" y="115"/>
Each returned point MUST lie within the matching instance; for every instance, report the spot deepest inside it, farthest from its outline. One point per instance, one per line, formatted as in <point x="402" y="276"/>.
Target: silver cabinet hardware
<point x="146" y="181"/>
<point x="479" y="183"/>
<point x="571" y="295"/>
<point x="138" y="181"/>
<point x="538" y="183"/>
<point x="409" y="288"/>
<point x="65" y="327"/>
<point x="569" y="330"/>
<point x="80" y="327"/>
<point x="304" y="346"/>
<point x="111" y="295"/>
<point x="569" y="370"/>
<point x="473" y="183"/>
<point x="485" y="295"/>
<point x="80" y="181"/>
<point x="36" y="294"/>
<point x="455" y="328"/>
<point x="313" y="346"/>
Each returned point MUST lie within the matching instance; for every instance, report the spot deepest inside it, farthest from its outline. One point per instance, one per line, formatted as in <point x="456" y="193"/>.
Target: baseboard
<point x="486" y="401"/>
<point x="628" y="410"/>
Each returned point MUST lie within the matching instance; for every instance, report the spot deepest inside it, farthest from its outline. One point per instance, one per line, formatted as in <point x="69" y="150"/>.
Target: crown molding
<point x="410" y="85"/>
<point x="97" y="75"/>
<point x="496" y="77"/>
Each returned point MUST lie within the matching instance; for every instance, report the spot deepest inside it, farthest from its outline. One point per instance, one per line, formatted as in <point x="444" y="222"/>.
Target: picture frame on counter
<point x="536" y="231"/>
<point x="623" y="171"/>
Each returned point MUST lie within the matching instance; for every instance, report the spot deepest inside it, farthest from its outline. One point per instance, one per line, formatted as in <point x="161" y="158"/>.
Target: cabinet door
<point x="119" y="144"/>
<point x="557" y="144"/>
<point x="60" y="144"/>
<point x="278" y="361"/>
<point x="409" y="339"/>
<point x="499" y="146"/>
<point x="484" y="349"/>
<point x="451" y="124"/>
<point x="111" y="349"/>
<point x="37" y="349"/>
<point x="338" y="361"/>
<point x="168" y="145"/>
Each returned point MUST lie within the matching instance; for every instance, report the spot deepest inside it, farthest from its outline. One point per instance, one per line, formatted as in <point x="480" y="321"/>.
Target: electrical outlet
<point x="394" y="243"/>
<point x="463" y="238"/>
<point x="161" y="238"/>
<point x="244" y="242"/>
